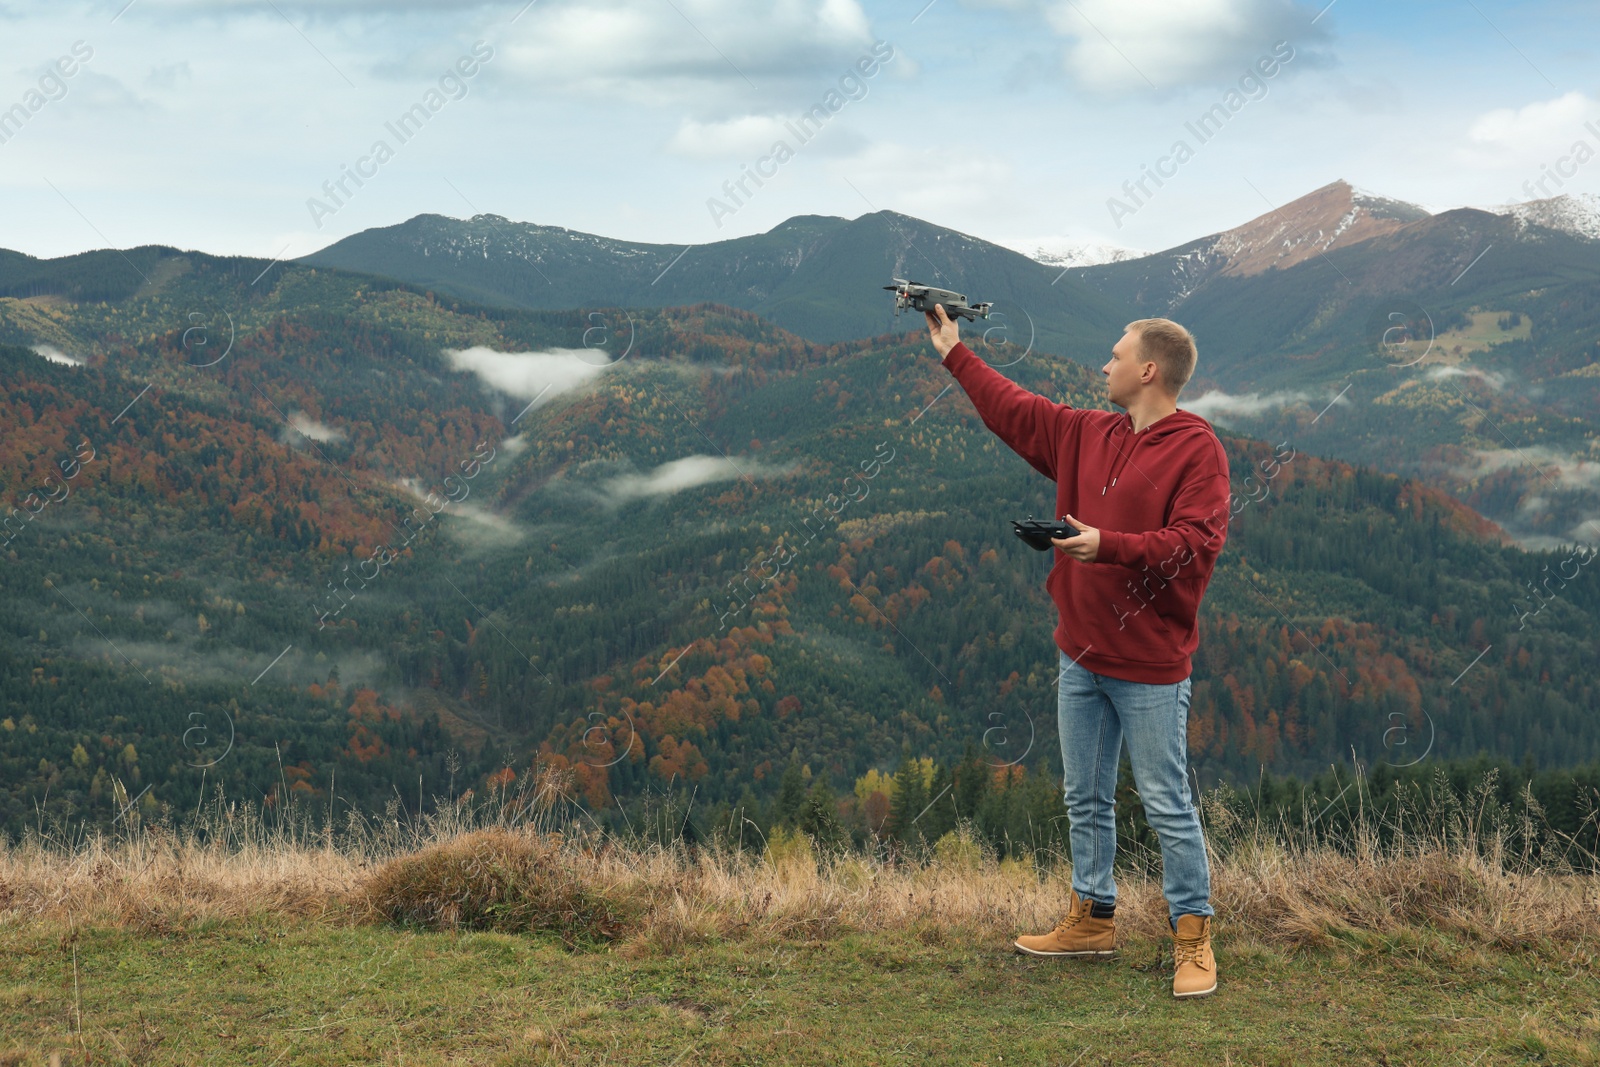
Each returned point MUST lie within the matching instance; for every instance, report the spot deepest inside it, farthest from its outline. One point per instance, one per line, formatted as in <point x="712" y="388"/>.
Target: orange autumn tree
<point x="365" y="745"/>
<point x="678" y="759"/>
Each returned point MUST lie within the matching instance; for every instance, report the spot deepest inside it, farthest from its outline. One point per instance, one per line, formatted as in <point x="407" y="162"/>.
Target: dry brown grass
<point x="502" y="865"/>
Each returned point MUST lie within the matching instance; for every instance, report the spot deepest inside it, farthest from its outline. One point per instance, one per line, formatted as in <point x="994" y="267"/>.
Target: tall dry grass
<point x="522" y="860"/>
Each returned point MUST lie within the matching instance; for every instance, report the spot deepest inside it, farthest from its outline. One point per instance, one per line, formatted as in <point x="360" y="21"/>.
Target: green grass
<point x="280" y="991"/>
<point x="1482" y="332"/>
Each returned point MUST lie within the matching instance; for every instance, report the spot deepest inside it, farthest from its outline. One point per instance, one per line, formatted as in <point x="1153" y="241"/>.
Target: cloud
<point x="1114" y="45"/>
<point x="927" y="182"/>
<point x="477" y="525"/>
<point x="55" y="355"/>
<point x="1217" y="406"/>
<point x="649" y="52"/>
<point x="482" y="527"/>
<point x="169" y="75"/>
<point x="1492" y="380"/>
<point x="530" y="375"/>
<point x="341" y="6"/>
<point x="1525" y="137"/>
<point x="639" y="51"/>
<point x="685" y="473"/>
<point x="140" y="636"/>
<point x="317" y="431"/>
<point x="750" y="136"/>
<point x="1561" y="470"/>
<point x="747" y="135"/>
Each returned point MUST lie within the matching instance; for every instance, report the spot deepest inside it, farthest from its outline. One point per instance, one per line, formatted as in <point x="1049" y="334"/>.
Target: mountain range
<point x="342" y="530"/>
<point x="813" y="275"/>
<point x="1293" y="310"/>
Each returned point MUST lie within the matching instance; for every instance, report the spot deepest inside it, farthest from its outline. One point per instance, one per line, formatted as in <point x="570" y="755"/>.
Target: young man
<point x="1148" y="493"/>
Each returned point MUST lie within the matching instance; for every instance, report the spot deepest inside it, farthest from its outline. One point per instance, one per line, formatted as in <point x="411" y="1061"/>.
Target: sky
<point x="235" y="126"/>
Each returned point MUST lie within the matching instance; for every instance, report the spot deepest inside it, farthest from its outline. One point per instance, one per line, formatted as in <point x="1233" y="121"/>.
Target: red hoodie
<point x="1159" y="499"/>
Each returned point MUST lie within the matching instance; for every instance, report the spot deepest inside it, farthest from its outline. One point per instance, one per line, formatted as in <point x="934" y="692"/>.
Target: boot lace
<point x="1188" y="950"/>
<point x="1070" y="920"/>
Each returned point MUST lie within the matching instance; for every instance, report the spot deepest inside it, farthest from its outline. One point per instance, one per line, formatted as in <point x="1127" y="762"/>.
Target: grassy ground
<point x="481" y="936"/>
<point x="270" y="991"/>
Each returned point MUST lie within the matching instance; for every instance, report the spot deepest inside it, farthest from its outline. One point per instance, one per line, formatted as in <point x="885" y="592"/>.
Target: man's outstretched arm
<point x="1029" y="424"/>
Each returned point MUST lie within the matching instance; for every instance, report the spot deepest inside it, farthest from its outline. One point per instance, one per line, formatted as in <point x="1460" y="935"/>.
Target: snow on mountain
<point x="1066" y="252"/>
<point x="1334" y="216"/>
<point x="1574" y="213"/>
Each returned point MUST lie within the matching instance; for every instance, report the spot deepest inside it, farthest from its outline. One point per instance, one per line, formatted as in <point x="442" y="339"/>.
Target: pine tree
<point x="791" y="795"/>
<point x="910" y="797"/>
<point x="739" y="824"/>
<point x="940" y="817"/>
<point x="819" y="817"/>
<point x="971" y="783"/>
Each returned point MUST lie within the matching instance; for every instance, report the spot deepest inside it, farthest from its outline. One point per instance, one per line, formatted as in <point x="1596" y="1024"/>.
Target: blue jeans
<point x="1095" y="713"/>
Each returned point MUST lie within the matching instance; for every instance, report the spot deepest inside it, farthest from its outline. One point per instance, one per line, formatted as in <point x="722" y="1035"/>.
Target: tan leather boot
<point x="1080" y="933"/>
<point x="1196" y="974"/>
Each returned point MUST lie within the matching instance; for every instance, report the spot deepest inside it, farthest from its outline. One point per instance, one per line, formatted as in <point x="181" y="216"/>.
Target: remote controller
<point x="1036" y="533"/>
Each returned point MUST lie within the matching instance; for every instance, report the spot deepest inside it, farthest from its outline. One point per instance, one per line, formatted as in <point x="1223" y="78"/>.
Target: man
<point x="1147" y="491"/>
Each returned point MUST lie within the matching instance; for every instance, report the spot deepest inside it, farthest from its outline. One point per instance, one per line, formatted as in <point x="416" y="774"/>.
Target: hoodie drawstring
<point x="1121" y="460"/>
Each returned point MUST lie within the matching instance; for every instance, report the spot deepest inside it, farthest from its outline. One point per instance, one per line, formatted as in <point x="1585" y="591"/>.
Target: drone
<point x="919" y="297"/>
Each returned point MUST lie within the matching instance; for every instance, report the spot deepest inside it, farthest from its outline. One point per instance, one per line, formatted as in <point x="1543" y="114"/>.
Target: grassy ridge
<point x="234" y="939"/>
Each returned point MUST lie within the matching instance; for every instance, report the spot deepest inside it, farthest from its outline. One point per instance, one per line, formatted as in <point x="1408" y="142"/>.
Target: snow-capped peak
<point x="1067" y="252"/>
<point x="1574" y="213"/>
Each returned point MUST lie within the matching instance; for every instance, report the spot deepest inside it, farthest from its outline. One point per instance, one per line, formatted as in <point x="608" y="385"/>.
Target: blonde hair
<point x="1170" y="347"/>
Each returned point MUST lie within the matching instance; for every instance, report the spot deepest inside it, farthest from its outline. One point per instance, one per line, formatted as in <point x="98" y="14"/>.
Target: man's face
<point x="1123" y="370"/>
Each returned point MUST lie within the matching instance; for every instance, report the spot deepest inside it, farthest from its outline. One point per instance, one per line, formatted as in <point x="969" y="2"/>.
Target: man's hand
<point x="944" y="331"/>
<point x="1084" y="547"/>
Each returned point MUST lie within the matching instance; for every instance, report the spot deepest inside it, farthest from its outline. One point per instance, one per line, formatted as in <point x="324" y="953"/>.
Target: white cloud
<point x="530" y="375"/>
<point x="1525" y="137"/>
<point x="928" y="182"/>
<point x="315" y="430"/>
<point x="1561" y="470"/>
<point x="188" y="7"/>
<point x="748" y="135"/>
<point x="649" y="52"/>
<point x="482" y="526"/>
<point x="1115" y="45"/>
<point x="1492" y="380"/>
<point x="169" y="75"/>
<point x="685" y="473"/>
<point x="55" y="355"/>
<point x="1217" y="406"/>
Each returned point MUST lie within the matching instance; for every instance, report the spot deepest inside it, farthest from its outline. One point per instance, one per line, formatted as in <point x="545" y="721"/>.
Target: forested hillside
<point x="1460" y="347"/>
<point x="286" y="520"/>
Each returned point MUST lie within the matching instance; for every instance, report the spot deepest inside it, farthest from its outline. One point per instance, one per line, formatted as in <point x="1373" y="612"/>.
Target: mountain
<point x="1574" y="213"/>
<point x="1290" y="309"/>
<point x="1062" y="253"/>
<point x="817" y="276"/>
<point x="1494" y="395"/>
<point x="309" y="534"/>
<point x="1335" y="216"/>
